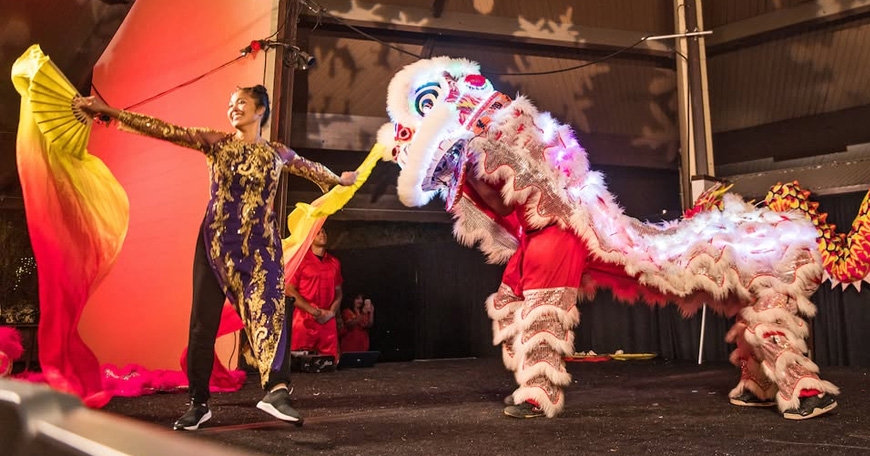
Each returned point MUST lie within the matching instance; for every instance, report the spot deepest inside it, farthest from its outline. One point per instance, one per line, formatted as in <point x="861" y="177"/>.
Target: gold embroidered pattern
<point x="750" y="370"/>
<point x="508" y="349"/>
<point x="156" y="128"/>
<point x="773" y="301"/>
<point x="776" y="345"/>
<point x="503" y="297"/>
<point x="313" y="171"/>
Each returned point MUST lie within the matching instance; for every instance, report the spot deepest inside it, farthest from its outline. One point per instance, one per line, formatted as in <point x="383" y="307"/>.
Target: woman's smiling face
<point x="243" y="110"/>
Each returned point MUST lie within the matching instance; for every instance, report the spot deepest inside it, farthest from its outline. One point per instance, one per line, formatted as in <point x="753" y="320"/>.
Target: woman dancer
<point x="238" y="253"/>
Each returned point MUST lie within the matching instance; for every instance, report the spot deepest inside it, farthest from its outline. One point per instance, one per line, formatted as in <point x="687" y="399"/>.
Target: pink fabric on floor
<point x="136" y="380"/>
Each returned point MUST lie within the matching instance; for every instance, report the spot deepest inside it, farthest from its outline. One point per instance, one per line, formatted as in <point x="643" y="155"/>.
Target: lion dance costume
<point x="564" y="237"/>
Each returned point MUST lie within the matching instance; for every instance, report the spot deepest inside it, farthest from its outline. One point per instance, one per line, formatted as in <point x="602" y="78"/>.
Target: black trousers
<point x="205" y="318"/>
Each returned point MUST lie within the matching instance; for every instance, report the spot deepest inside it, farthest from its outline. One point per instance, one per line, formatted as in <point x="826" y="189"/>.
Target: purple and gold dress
<point x="240" y="230"/>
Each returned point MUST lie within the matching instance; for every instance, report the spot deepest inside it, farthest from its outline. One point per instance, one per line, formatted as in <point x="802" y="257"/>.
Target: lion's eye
<point x="425" y="97"/>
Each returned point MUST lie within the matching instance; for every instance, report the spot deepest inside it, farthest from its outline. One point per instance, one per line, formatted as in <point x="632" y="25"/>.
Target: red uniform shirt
<point x="316" y="279"/>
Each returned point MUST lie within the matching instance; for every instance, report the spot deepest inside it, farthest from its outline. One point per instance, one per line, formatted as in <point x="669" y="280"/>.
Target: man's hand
<point x="324" y="316"/>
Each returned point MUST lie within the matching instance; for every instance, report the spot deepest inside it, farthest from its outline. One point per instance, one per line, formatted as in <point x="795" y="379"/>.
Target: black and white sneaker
<point x="748" y="399"/>
<point x="811" y="406"/>
<point x="195" y="415"/>
<point x="277" y="404"/>
<point x="524" y="410"/>
<point x="509" y="400"/>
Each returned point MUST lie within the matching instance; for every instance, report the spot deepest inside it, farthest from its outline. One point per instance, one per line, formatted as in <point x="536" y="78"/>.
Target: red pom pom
<point x="475" y="80"/>
<point x="403" y="133"/>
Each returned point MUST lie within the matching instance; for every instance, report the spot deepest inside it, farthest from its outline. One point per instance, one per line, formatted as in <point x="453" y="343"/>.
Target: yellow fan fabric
<point x="307" y="219"/>
<point x="50" y="94"/>
<point x="77" y="217"/>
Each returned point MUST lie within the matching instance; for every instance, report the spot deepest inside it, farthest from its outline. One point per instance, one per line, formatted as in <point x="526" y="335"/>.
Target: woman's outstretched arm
<point x="194" y="138"/>
<point x="314" y="171"/>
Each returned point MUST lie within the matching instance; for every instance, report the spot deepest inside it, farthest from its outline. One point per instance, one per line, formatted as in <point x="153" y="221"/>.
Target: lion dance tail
<point x="846" y="257"/>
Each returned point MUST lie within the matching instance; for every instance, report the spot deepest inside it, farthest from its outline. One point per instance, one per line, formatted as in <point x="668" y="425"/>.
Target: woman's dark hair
<point x="261" y="97"/>
<point x="348" y="301"/>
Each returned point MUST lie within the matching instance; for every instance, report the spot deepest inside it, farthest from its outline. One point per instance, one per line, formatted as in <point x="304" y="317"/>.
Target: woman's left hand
<point x="348" y="178"/>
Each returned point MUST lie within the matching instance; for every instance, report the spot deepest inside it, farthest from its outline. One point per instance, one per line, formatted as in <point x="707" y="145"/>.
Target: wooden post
<point x="282" y="100"/>
<point x="696" y="144"/>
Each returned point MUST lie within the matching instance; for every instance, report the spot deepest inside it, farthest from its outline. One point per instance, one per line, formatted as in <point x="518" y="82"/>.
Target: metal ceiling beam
<point x="785" y="21"/>
<point x="340" y="132"/>
<point x="508" y="29"/>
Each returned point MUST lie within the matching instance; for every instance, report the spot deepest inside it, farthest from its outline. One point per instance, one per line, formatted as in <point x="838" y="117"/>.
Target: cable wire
<point x="572" y="68"/>
<point x="183" y="84"/>
<point x="281" y="25"/>
<point x="319" y="10"/>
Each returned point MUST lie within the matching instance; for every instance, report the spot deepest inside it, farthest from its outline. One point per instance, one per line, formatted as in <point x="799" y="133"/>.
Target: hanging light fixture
<point x="293" y="56"/>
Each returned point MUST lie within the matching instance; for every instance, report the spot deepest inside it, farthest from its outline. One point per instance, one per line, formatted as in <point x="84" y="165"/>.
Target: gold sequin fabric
<point x="750" y="371"/>
<point x="313" y="171"/>
<point x="530" y="179"/>
<point x="553" y="392"/>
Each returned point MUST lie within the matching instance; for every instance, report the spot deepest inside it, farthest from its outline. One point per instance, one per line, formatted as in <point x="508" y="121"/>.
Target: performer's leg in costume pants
<point x="205" y="316"/>
<point x="770" y="338"/>
<point x="534" y="313"/>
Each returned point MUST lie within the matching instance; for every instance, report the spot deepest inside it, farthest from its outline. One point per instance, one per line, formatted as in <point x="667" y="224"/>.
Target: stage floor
<point x="454" y="407"/>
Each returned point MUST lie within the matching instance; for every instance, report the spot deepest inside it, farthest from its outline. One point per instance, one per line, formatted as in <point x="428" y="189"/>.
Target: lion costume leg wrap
<point x="771" y="347"/>
<point x="501" y="307"/>
<point x="534" y="313"/>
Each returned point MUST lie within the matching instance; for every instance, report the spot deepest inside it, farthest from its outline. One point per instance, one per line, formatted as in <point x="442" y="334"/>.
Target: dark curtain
<point x="428" y="298"/>
<point x="388" y="277"/>
<point x="607" y="325"/>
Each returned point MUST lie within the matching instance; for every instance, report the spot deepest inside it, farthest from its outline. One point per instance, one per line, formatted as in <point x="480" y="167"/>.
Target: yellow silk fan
<point x="51" y="96"/>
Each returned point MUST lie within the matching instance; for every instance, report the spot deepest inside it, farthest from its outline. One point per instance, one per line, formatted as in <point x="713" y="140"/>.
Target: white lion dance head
<point x="445" y="92"/>
<point x="437" y="106"/>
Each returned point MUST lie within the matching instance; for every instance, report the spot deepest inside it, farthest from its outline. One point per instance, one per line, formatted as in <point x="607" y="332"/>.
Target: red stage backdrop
<point x="140" y="313"/>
